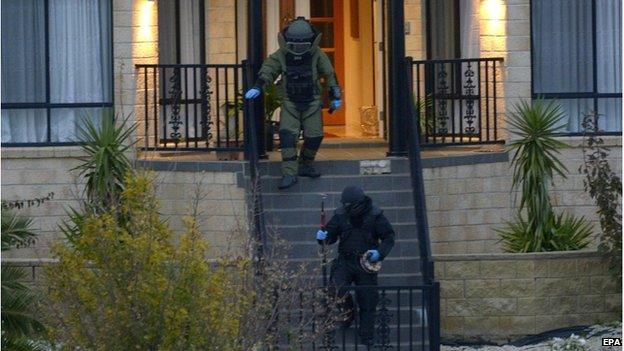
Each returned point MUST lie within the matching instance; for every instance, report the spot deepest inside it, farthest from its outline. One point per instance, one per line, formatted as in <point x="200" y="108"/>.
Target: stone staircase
<point x="294" y="214"/>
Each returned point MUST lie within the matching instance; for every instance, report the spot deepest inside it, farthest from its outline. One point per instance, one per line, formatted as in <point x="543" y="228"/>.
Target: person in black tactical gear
<point x="361" y="229"/>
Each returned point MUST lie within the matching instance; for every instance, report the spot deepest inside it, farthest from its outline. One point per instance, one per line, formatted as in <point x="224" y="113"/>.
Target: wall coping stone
<point x="41" y="152"/>
<point x="516" y="256"/>
<point x="576" y="141"/>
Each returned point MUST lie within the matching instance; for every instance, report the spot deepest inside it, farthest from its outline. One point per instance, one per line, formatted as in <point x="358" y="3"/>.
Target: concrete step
<point x="311" y="249"/>
<point x="336" y="167"/>
<point x="311" y="216"/>
<point x="303" y="233"/>
<point x="382" y="198"/>
<point x="329" y="184"/>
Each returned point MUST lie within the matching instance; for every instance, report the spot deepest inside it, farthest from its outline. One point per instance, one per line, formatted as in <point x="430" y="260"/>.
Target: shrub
<point x="123" y="287"/>
<point x="130" y="284"/>
<point x="605" y="187"/>
<point x="535" y="226"/>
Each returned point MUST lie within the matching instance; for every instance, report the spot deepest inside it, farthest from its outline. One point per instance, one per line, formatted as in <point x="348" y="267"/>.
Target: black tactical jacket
<point x="375" y="228"/>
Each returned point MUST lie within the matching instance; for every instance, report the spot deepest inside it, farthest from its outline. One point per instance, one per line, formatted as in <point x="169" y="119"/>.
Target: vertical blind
<point x="54" y="71"/>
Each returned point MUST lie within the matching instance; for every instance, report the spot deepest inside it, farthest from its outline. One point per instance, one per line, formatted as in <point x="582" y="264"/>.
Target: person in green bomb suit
<point x="300" y="62"/>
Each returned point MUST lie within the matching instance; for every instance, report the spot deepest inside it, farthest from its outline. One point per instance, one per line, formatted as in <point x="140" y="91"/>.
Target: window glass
<point x="608" y="44"/>
<point x="562" y="46"/>
<point x="78" y="37"/>
<point x="577" y="59"/>
<point x="23" y="51"/>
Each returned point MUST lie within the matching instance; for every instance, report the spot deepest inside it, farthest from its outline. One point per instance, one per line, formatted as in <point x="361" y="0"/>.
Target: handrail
<point x="420" y="210"/>
<point x="417" y="181"/>
<point x="479" y="59"/>
<point x="252" y="155"/>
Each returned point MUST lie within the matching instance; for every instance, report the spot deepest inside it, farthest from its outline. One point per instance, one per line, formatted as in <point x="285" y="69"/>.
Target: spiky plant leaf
<point x="17" y="302"/>
<point x="16" y="230"/>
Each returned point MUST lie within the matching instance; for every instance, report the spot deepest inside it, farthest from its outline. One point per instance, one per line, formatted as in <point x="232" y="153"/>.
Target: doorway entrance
<point x="350" y="40"/>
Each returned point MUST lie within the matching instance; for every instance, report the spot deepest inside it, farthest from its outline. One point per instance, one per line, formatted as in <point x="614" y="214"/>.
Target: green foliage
<point x="566" y="233"/>
<point x="106" y="161"/>
<point x="16" y="231"/>
<point x="103" y="168"/>
<point x="130" y="287"/>
<point x="272" y="101"/>
<point x="605" y="187"/>
<point x="536" y="227"/>
<point x="426" y="123"/>
<point x="18" y="322"/>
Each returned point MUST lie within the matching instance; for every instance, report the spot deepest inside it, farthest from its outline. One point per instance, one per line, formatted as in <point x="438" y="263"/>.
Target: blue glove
<point x="335" y="104"/>
<point x="373" y="255"/>
<point x="252" y="93"/>
<point x="321" y="235"/>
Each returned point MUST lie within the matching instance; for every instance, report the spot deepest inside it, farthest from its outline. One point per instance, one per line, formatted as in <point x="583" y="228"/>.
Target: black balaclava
<point x="356" y="204"/>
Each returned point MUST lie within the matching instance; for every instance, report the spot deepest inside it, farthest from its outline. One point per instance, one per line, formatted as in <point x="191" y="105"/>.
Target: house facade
<point x="64" y="62"/>
<point x="177" y="67"/>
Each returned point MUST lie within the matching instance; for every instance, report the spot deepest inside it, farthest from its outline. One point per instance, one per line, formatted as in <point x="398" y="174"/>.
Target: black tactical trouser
<point x="344" y="272"/>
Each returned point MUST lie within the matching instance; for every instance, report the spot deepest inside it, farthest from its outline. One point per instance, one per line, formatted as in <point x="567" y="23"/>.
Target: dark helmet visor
<point x="299" y="47"/>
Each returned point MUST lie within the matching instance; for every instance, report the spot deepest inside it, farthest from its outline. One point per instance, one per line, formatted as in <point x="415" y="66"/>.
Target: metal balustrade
<point x="457" y="100"/>
<point x="406" y="318"/>
<point x="190" y="106"/>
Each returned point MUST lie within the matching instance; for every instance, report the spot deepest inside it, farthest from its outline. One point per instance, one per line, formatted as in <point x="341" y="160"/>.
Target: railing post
<point x="396" y="77"/>
<point x="255" y="48"/>
<point x="434" y="317"/>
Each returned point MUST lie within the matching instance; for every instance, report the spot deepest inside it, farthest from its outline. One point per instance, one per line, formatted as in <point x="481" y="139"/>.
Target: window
<point x="453" y="29"/>
<point x="576" y="59"/>
<point x="56" y="68"/>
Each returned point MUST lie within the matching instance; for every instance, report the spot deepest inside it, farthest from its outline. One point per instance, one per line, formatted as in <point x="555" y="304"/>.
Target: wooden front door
<point x="327" y="17"/>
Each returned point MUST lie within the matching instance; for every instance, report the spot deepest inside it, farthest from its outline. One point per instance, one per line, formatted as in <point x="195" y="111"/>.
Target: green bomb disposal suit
<point x="301" y="63"/>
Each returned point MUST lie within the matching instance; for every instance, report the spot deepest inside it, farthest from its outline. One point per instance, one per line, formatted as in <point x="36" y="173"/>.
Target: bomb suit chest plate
<point x="299" y="78"/>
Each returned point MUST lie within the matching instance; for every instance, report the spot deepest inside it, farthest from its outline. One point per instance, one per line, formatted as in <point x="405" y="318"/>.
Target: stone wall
<point x="221" y="31"/>
<point x="34" y="172"/>
<point x="500" y="297"/>
<point x="415" y="19"/>
<point x="466" y="203"/>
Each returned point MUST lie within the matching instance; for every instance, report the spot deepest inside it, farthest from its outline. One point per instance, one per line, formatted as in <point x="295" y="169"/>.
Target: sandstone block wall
<point x="466" y="203"/>
<point x="500" y="297"/>
<point x="34" y="172"/>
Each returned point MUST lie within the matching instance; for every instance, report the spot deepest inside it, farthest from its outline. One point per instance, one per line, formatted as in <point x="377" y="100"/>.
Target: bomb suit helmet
<point x="299" y="37"/>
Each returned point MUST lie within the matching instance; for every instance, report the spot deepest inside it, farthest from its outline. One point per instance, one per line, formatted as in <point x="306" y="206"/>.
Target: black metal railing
<point x="190" y="106"/>
<point x="457" y="100"/>
<point x="401" y="320"/>
<point x="415" y="139"/>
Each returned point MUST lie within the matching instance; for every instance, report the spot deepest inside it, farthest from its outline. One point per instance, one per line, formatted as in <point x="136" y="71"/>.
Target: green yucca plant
<point x="535" y="164"/>
<point x="103" y="167"/>
<point x="565" y="233"/>
<point x="105" y="163"/>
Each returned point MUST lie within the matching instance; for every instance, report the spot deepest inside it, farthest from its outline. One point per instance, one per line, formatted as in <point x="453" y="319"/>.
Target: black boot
<point x="307" y="170"/>
<point x="287" y="181"/>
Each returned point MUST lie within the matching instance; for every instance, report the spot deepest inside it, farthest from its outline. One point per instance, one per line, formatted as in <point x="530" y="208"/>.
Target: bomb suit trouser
<point x="346" y="271"/>
<point x="293" y="119"/>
